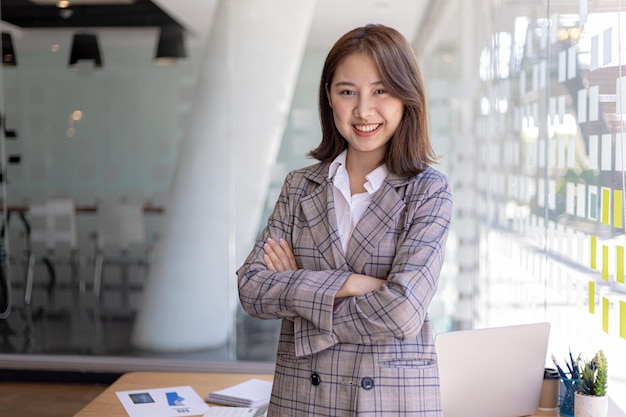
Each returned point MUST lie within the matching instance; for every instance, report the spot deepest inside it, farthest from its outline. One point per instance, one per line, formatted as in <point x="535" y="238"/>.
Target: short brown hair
<point x="409" y="150"/>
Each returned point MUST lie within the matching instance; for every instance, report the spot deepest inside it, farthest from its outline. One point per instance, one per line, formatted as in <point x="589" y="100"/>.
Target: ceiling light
<point x="62" y="4"/>
<point x="8" y="53"/>
<point x="85" y="48"/>
<point x="171" y="45"/>
<point x="575" y="33"/>
<point x="66" y="13"/>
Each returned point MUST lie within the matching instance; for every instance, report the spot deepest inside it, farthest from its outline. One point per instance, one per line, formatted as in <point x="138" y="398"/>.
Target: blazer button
<point x="315" y="379"/>
<point x="367" y="383"/>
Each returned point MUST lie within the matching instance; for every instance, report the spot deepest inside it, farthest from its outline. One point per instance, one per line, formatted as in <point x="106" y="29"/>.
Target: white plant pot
<point x="590" y="406"/>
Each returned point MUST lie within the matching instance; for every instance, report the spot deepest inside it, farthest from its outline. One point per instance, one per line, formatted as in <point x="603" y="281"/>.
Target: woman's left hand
<point x="279" y="256"/>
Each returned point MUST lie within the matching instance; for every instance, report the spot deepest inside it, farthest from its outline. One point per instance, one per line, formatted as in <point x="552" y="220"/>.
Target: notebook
<point x="251" y="393"/>
<point x="492" y="372"/>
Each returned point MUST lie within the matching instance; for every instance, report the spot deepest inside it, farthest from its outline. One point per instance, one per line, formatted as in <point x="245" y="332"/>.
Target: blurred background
<point x="144" y="143"/>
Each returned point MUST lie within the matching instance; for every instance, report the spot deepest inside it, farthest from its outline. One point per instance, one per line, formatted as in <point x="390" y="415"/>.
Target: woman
<point x="351" y="255"/>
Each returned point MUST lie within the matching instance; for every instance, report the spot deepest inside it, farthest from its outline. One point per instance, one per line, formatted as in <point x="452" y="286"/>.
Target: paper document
<point x="251" y="393"/>
<point x="163" y="402"/>
<point x="235" y="412"/>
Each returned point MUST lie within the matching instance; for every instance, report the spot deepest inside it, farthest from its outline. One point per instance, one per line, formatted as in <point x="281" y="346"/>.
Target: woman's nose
<point x="364" y="107"/>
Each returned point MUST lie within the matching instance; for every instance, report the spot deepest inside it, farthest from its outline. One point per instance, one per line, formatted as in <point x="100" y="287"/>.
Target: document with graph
<point x="163" y="402"/>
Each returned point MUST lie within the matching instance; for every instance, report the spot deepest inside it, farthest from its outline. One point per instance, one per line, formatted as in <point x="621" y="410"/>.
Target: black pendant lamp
<point x="8" y="52"/>
<point x="85" y="48"/>
<point x="171" y="45"/>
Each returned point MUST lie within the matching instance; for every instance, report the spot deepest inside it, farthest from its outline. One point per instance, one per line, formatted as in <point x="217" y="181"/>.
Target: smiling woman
<point x="346" y="259"/>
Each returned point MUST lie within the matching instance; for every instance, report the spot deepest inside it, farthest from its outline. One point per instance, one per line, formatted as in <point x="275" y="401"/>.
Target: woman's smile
<point x="367" y="129"/>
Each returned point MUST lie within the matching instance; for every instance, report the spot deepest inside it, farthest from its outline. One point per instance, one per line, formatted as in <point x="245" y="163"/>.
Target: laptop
<point x="492" y="372"/>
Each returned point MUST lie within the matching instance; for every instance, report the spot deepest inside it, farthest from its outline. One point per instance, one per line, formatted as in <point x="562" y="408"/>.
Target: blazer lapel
<point x="381" y="215"/>
<point x="319" y="210"/>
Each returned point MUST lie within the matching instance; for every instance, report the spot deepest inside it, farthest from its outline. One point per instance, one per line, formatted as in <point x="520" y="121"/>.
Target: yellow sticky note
<point x="618" y="209"/>
<point x="622" y="319"/>
<point x="592" y="297"/>
<point x="605" y="314"/>
<point x="606" y="206"/>
<point x="619" y="272"/>
<point x="594" y="242"/>
<point x="605" y="262"/>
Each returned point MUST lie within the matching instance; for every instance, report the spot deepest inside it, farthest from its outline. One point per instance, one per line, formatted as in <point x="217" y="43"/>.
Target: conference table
<point x="107" y="403"/>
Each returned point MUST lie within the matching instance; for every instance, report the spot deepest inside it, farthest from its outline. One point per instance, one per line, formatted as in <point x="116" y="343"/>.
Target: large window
<point x="533" y="117"/>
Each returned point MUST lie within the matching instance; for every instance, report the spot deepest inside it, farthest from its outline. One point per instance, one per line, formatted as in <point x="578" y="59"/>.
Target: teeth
<point x="366" y="128"/>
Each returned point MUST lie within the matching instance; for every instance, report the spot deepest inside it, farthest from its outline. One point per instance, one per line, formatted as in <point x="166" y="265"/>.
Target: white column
<point x="242" y="98"/>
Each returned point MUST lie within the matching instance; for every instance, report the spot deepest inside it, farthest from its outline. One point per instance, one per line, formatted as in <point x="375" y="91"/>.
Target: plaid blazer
<point x="371" y="355"/>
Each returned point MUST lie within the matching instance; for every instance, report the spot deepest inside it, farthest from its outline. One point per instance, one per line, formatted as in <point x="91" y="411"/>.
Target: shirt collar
<point x="374" y="179"/>
<point x="334" y="166"/>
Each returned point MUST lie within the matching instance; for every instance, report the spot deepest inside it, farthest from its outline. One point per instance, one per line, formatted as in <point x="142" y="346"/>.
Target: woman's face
<point x="365" y="114"/>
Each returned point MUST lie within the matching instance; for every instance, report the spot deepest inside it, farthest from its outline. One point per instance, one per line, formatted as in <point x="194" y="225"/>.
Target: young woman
<point x="351" y="255"/>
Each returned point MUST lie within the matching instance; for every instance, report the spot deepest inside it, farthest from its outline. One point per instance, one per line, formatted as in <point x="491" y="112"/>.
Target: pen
<point x="569" y="386"/>
<point x="574" y="365"/>
<point x="558" y="368"/>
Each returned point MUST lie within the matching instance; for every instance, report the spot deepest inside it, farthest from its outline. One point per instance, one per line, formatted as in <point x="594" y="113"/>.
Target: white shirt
<point x="350" y="208"/>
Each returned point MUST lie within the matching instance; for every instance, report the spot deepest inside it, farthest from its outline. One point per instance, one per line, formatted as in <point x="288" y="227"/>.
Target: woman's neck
<point x="358" y="166"/>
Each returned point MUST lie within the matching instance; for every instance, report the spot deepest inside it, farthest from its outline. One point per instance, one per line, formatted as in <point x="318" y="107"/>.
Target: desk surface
<point x="107" y="404"/>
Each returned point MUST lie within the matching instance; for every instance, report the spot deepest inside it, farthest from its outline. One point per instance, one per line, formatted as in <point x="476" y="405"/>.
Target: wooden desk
<point x="108" y="405"/>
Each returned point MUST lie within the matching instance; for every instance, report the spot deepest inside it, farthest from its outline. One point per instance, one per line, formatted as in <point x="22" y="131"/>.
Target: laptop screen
<point x="492" y="372"/>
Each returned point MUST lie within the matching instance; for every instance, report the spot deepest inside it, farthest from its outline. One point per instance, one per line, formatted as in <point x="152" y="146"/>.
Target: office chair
<point x="120" y="240"/>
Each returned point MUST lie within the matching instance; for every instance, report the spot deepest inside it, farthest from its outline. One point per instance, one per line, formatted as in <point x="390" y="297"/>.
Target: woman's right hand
<point x="359" y="284"/>
<point x="278" y="256"/>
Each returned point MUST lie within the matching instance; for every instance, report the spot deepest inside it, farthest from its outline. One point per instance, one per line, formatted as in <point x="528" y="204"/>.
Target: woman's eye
<point x="380" y="91"/>
<point x="346" y="92"/>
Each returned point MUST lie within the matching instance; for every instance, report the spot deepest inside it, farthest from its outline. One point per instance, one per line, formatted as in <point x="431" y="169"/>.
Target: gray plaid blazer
<point x="371" y="355"/>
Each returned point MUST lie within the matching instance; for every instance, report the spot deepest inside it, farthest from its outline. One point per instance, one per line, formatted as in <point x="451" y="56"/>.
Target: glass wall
<point x="533" y="108"/>
<point x="86" y="174"/>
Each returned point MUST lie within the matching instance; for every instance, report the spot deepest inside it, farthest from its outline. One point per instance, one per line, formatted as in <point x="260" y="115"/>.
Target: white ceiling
<point x="331" y="19"/>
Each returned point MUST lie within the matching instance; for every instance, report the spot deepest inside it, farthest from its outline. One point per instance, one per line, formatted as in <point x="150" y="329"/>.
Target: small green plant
<point x="593" y="374"/>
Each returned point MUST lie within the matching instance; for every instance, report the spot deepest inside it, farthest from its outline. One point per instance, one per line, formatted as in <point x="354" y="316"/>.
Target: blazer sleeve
<point x="400" y="307"/>
<point x="304" y="296"/>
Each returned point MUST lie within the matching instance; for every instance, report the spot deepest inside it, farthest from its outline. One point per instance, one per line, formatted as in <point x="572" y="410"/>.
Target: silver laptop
<point x="492" y="372"/>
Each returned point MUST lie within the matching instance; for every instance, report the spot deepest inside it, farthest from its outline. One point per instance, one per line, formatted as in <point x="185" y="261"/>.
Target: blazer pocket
<point x="408" y="363"/>
<point x="408" y="387"/>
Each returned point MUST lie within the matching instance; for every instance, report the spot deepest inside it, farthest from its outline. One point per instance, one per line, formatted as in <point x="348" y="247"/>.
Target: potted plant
<point x="591" y="399"/>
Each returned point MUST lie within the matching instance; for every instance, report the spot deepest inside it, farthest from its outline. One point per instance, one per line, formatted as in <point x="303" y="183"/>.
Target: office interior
<point x="133" y="187"/>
